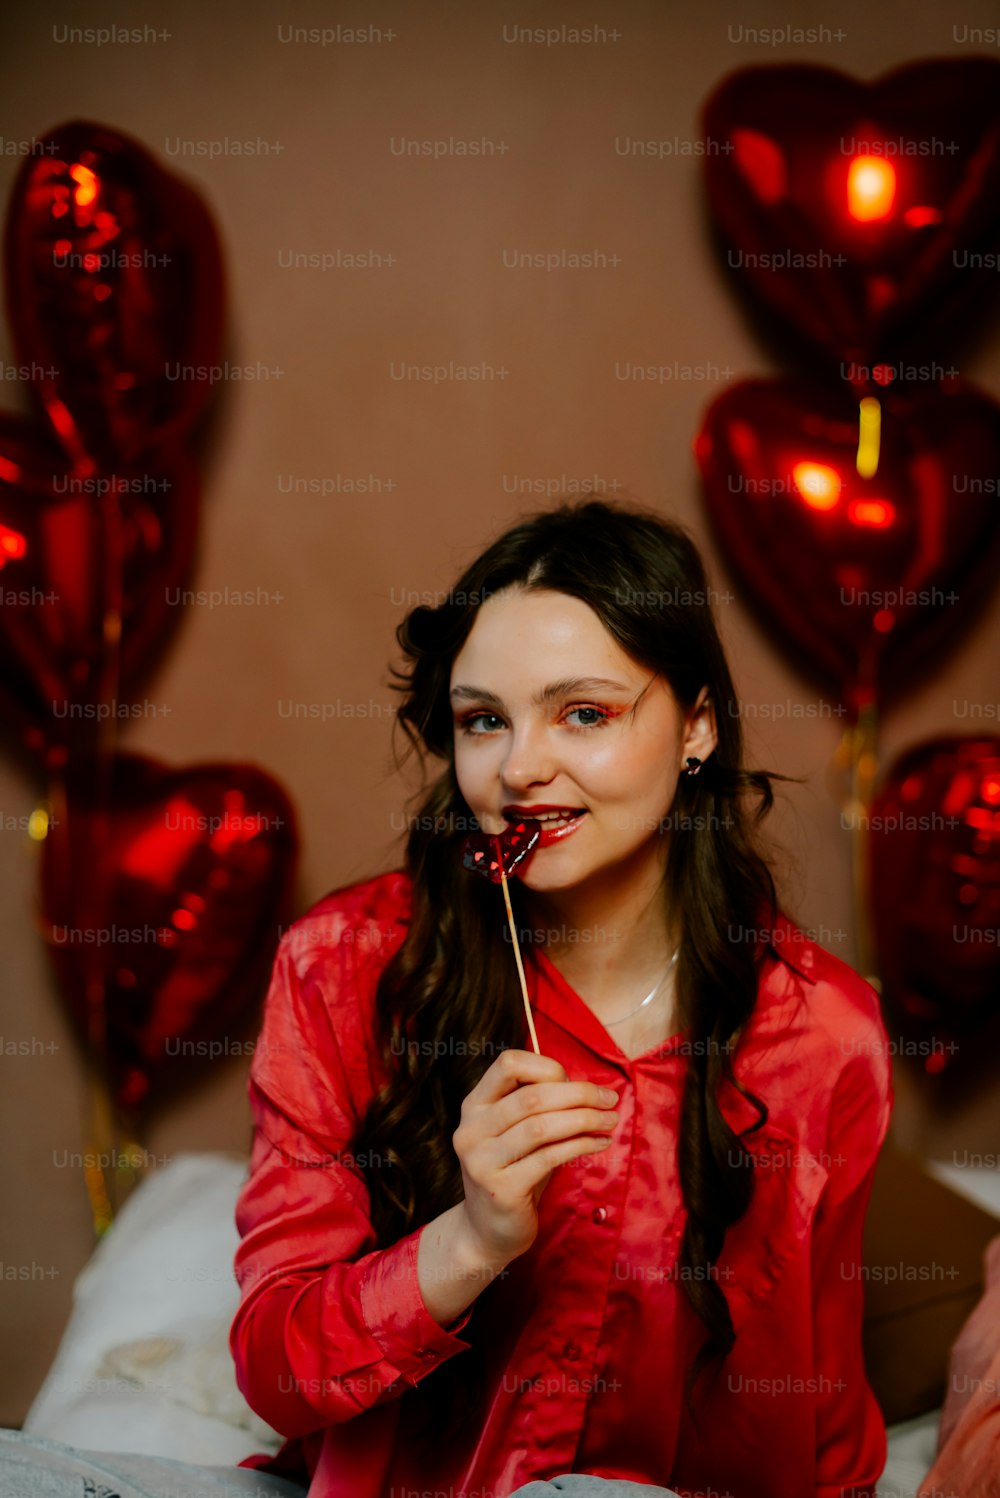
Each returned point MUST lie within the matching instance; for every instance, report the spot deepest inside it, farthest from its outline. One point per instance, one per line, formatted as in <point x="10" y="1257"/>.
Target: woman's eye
<point x="599" y="721"/>
<point x="466" y="723"/>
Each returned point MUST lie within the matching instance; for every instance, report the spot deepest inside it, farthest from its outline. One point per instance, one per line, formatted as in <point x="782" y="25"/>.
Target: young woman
<point x="632" y="1261"/>
<point x="629" y="1264"/>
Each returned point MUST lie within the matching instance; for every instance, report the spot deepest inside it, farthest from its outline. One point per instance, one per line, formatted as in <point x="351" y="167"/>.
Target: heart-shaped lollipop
<point x="483" y="852"/>
<point x="495" y="855"/>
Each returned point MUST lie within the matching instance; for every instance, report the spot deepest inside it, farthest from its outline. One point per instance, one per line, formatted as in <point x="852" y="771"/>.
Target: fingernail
<point x="608" y="1095"/>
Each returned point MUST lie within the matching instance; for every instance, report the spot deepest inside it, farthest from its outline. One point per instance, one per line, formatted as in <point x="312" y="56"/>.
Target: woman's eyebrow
<point x="554" y="689"/>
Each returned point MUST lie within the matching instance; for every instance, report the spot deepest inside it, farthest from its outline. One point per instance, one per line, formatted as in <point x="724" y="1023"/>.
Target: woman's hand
<point x="522" y="1119"/>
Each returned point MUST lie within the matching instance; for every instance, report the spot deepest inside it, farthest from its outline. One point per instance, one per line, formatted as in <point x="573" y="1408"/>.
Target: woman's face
<point x="576" y="748"/>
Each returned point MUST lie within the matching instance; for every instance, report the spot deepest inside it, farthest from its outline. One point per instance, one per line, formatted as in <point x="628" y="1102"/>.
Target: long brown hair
<point x="453" y="978"/>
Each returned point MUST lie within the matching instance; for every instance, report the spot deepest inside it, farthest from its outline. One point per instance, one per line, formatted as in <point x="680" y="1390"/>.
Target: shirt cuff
<point x="396" y="1316"/>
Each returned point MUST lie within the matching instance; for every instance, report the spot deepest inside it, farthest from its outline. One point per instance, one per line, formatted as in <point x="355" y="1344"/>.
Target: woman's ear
<point x="701" y="735"/>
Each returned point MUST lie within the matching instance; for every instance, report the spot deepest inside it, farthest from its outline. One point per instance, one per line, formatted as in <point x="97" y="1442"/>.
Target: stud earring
<point x="693" y="764"/>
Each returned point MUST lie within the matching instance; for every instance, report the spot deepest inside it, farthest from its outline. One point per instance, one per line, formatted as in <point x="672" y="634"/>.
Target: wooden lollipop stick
<point x="517" y="957"/>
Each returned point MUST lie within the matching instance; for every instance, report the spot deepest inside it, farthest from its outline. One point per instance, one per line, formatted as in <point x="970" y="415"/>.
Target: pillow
<point x="144" y="1364"/>
<point x="193" y="1368"/>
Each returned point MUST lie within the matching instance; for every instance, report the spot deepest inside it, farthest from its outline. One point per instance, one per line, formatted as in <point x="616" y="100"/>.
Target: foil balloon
<point x="114" y="288"/>
<point x="934" y="851"/>
<point x="88" y="566"/>
<point x="865" y="213"/>
<point x="161" y="896"/>
<point x="482" y="852"/>
<point x="863" y="580"/>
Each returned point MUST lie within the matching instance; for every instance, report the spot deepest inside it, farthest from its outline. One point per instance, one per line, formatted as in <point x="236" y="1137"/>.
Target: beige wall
<point x="342" y="564"/>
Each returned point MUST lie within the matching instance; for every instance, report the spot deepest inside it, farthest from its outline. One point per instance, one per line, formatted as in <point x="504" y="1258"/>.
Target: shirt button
<point x="599" y="1214"/>
<point x="571" y="1350"/>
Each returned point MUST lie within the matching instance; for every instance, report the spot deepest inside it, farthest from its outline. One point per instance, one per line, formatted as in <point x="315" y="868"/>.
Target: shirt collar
<point x="555" y="996"/>
<point x="788" y="943"/>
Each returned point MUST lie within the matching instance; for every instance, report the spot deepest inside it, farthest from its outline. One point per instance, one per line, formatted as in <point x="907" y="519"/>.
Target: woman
<point x="631" y="1260"/>
<point x="628" y="1264"/>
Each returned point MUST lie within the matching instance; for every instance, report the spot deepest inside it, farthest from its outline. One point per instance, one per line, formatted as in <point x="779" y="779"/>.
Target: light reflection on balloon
<point x="871" y="188"/>
<point x="817" y="483"/>
<point x="921" y="215"/>
<point x="878" y="512"/>
<point x="762" y="163"/>
<point x="86" y="184"/>
<point x="12" y="545"/>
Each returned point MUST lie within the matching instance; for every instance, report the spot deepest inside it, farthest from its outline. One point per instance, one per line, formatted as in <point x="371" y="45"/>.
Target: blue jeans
<point x="578" y="1485"/>
<point x="39" y="1467"/>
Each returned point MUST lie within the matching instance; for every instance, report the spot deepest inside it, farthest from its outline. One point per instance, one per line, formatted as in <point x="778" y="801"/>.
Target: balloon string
<point x="98" y="1129"/>
<point x="858" y="753"/>
<point x="863" y="772"/>
<point x="89" y="854"/>
<point x="101" y="1151"/>
<point x="124" y="1161"/>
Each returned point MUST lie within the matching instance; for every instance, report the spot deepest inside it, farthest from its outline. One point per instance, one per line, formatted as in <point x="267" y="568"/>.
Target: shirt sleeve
<point x="851" y="1438"/>
<point x="327" y="1325"/>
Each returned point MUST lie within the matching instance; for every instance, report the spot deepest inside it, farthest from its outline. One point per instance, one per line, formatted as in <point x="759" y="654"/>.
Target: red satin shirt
<point x="585" y="1339"/>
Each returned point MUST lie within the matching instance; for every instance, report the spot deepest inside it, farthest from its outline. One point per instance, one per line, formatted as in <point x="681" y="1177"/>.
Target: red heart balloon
<point x="934" y="853"/>
<point x="860" y="577"/>
<point x="161" y="914"/>
<point x="482" y="852"/>
<point x="867" y="214"/>
<point x="114" y="294"/>
<point x="60" y="538"/>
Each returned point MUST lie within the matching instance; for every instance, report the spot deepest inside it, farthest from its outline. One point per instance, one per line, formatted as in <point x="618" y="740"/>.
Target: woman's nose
<point x="530" y="758"/>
